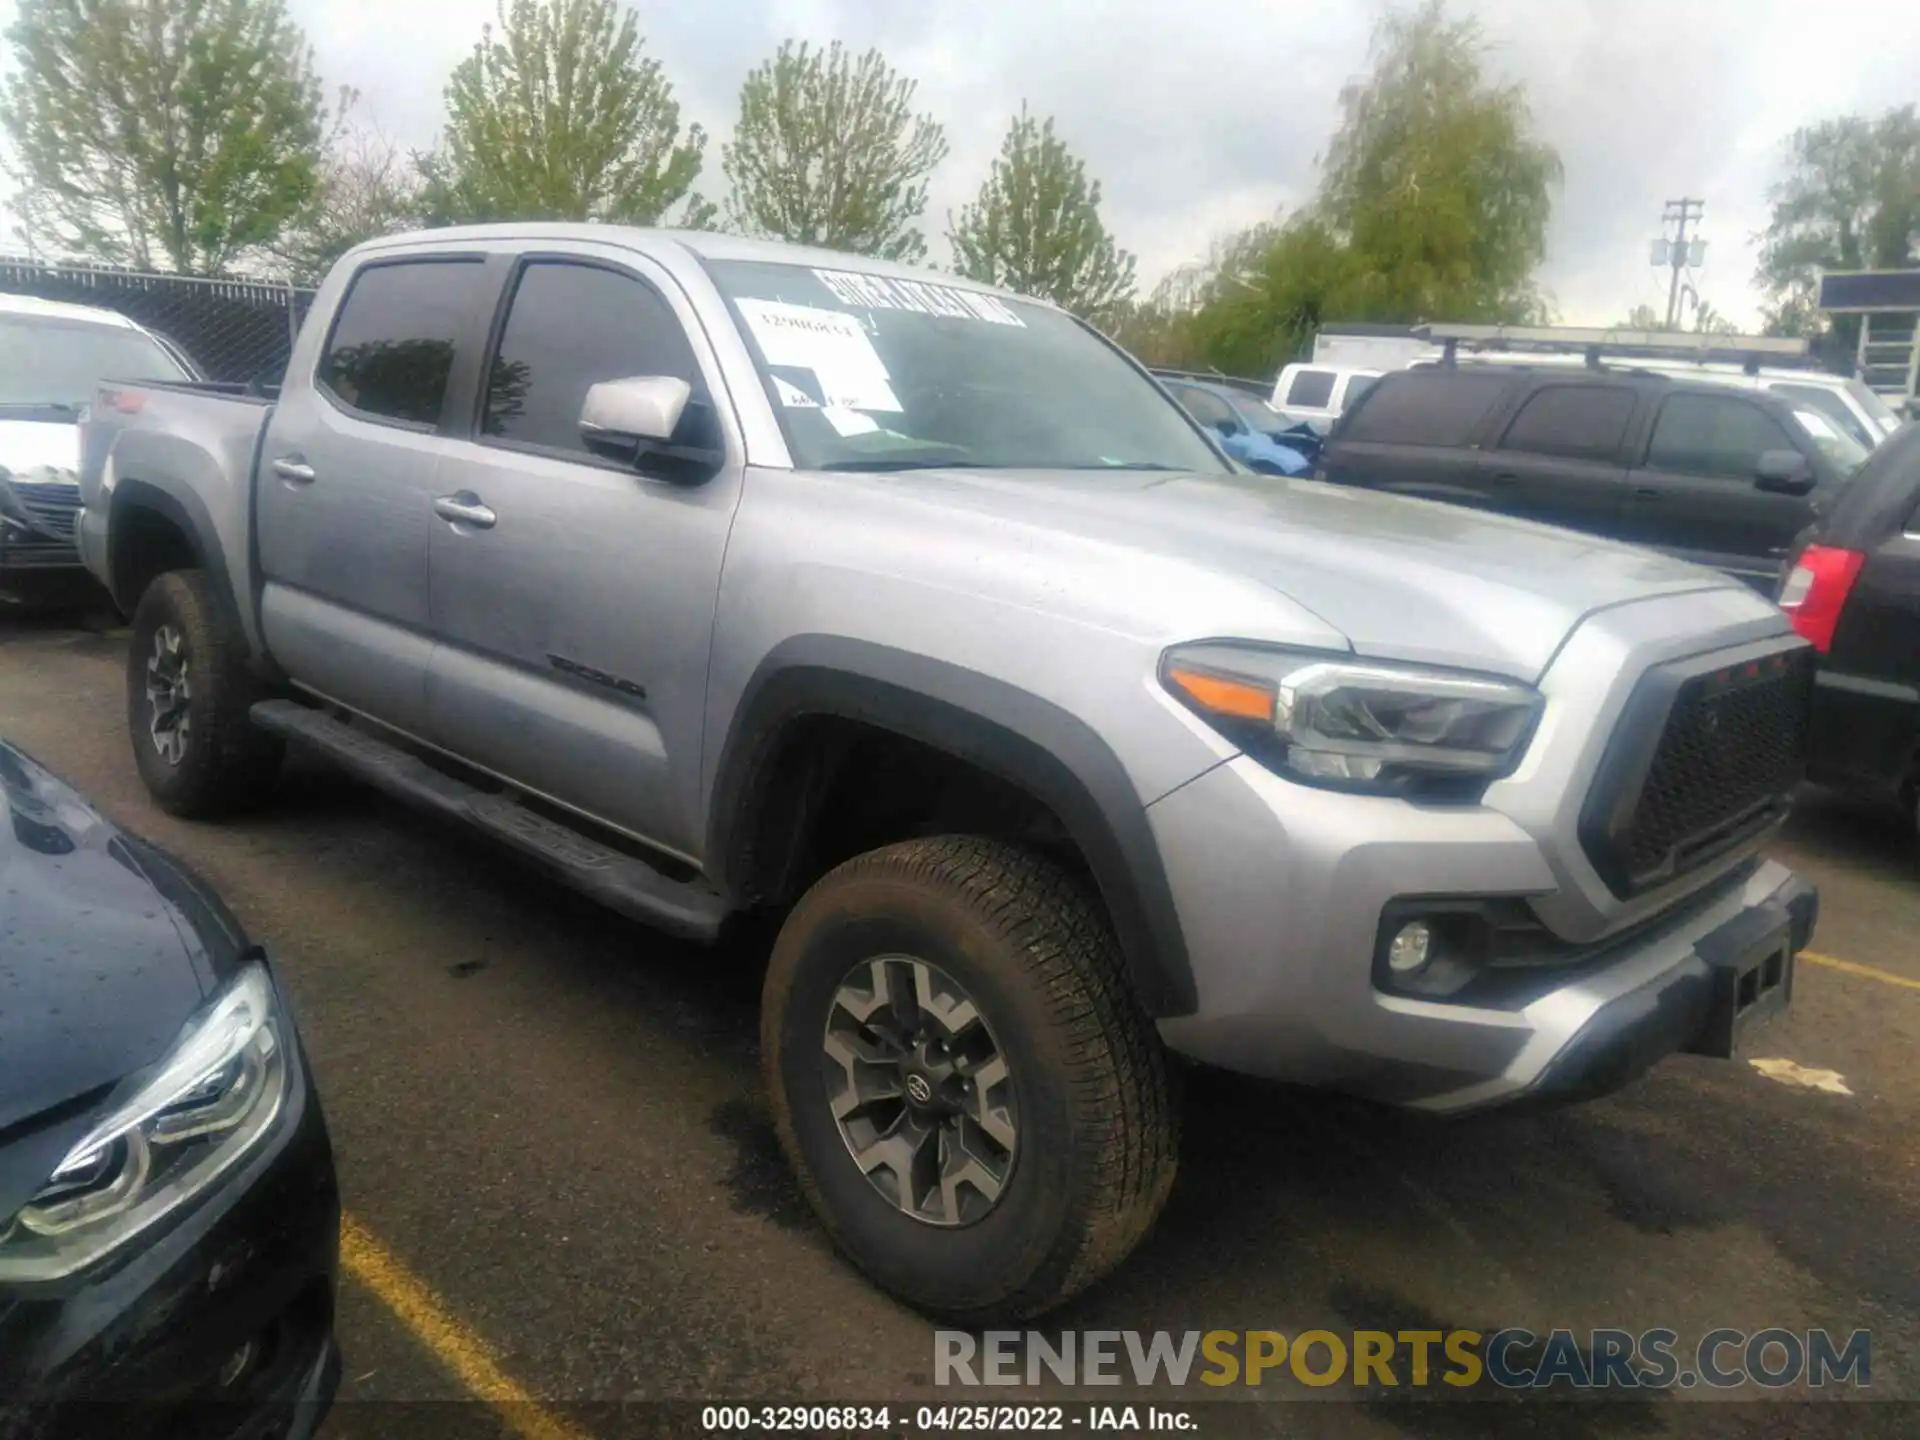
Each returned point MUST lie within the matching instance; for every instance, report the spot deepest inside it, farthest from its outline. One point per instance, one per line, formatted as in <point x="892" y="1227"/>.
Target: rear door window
<point x="1712" y="435"/>
<point x="391" y="349"/>
<point x="1574" y="422"/>
<point x="1430" y="407"/>
<point x="1311" y="389"/>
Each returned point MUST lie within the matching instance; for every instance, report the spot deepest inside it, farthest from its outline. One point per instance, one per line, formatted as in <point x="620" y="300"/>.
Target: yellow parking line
<point x="1867" y="972"/>
<point x="469" y="1357"/>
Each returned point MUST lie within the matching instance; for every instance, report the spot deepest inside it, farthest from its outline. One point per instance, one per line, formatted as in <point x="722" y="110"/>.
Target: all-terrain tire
<point x="1097" y="1136"/>
<point x="224" y="763"/>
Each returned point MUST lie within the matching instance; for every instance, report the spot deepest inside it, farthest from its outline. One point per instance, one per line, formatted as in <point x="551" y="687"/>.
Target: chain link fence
<point x="236" y="330"/>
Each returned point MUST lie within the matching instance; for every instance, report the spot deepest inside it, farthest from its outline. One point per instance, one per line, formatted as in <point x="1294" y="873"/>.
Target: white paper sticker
<point x="832" y="344"/>
<point x="792" y="396"/>
<point x="849" y="422"/>
<point x="880" y="292"/>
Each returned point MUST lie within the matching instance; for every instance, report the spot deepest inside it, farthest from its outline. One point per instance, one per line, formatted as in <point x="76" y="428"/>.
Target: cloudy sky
<point x="1201" y="118"/>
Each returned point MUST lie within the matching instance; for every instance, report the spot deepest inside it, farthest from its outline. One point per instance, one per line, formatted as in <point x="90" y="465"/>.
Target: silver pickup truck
<point x="722" y="577"/>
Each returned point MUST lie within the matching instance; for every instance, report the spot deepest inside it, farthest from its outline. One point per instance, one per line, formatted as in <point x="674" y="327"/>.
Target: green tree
<point x="1035" y="227"/>
<point x="1433" y="204"/>
<point x="1270" y="288"/>
<point x="1850" y="200"/>
<point x="559" y="115"/>
<point x="1644" y="317"/>
<point x="176" y="132"/>
<point x="1436" y="179"/>
<point x="828" y="151"/>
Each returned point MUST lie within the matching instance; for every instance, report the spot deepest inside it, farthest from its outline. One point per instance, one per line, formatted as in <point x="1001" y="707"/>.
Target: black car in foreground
<point x="169" y="1221"/>
<point x="1852" y="587"/>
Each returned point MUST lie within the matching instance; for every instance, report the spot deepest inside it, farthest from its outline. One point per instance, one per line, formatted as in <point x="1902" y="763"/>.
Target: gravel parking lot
<point x="562" y="1186"/>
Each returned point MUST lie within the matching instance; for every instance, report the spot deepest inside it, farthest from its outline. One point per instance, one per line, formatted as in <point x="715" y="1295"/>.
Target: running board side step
<point x="690" y="909"/>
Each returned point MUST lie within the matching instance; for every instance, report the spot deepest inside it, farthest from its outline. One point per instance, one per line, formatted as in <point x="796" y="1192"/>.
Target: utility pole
<point x="1682" y="213"/>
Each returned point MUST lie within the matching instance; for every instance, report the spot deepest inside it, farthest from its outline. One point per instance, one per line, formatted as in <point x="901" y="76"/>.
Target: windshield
<point x="1877" y="409"/>
<point x="867" y="372"/>
<point x="1256" y="412"/>
<point x="52" y="362"/>
<point x="1838" y="446"/>
<point x="1833" y="405"/>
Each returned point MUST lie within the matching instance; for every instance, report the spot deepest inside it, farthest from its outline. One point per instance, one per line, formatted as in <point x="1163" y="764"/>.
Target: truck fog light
<point x="1411" y="948"/>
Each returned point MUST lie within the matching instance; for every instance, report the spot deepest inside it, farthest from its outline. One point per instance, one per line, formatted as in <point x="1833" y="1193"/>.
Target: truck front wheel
<point x="976" y="1105"/>
<point x="188" y="692"/>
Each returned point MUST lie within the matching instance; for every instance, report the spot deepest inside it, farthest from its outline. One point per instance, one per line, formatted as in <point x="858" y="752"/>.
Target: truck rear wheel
<point x="188" y="691"/>
<point x="976" y="1105"/>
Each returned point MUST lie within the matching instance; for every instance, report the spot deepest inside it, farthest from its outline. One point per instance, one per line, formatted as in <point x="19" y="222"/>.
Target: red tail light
<point x="1817" y="590"/>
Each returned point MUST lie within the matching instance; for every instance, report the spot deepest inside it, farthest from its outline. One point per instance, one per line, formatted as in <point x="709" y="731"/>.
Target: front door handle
<point x="1506" y="477"/>
<point x="1646" y="492"/>
<point x="293" y="470"/>
<point x="465" y="508"/>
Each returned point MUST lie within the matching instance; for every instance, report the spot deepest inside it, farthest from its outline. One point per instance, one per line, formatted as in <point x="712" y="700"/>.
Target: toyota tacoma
<point x="723" y="576"/>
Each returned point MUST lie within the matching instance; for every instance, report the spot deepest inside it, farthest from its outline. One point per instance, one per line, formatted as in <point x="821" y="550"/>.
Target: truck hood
<point x="1400" y="578"/>
<point x="101" y="964"/>
<point x="30" y="445"/>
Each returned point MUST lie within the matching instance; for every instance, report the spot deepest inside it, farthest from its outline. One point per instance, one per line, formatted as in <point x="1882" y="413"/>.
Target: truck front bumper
<point x="1282" y="890"/>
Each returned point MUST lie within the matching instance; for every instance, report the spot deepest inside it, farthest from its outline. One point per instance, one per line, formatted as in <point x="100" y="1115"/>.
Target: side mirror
<point x="622" y="417"/>
<point x="1783" y="472"/>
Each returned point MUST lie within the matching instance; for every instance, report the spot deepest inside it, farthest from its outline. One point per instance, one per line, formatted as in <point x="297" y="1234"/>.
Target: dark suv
<point x="1854" y="590"/>
<point x="1724" y="477"/>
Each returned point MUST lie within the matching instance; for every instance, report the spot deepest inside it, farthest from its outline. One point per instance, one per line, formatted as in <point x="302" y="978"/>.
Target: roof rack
<point x="1750" y="351"/>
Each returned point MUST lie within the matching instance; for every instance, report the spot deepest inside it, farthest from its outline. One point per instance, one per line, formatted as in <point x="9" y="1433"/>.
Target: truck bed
<point x="187" y="439"/>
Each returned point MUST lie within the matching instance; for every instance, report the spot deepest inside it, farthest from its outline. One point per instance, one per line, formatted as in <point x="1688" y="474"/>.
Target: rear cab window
<point x="391" y="350"/>
<point x="1311" y="389"/>
<point x="1434" y="407"/>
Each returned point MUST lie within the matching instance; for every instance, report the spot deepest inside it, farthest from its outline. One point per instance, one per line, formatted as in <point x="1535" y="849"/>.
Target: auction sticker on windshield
<point x="830" y="343"/>
<point x="877" y="292"/>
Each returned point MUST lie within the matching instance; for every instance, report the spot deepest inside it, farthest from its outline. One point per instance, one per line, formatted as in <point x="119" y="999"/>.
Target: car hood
<point x="1400" y="578"/>
<point x="50" y="446"/>
<point x="106" y="950"/>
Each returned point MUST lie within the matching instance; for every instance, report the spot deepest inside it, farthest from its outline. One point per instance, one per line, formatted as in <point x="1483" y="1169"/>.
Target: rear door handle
<point x="1506" y="477"/>
<point x="1646" y="492"/>
<point x="293" y="470"/>
<point x="465" y="508"/>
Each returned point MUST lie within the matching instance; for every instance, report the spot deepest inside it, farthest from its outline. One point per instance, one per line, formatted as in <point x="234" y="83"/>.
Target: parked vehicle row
<point x="914" y="614"/>
<point x="1719" y="476"/>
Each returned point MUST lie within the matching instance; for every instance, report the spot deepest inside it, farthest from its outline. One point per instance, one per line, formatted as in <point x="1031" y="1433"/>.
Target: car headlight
<point x="1351" y="724"/>
<point x="169" y="1132"/>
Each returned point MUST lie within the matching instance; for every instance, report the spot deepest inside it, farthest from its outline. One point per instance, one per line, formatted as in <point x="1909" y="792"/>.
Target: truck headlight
<point x="169" y="1133"/>
<point x="1351" y="724"/>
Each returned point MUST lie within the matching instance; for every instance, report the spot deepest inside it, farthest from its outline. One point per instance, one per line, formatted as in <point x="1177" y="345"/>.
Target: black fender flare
<point x="1008" y="732"/>
<point x="189" y="516"/>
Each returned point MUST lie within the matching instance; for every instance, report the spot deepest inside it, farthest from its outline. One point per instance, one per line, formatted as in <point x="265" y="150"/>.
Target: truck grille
<point x="1707" y="756"/>
<point x="50" y="505"/>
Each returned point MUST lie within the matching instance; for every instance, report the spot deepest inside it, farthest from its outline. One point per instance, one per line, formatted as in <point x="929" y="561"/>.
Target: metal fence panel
<point x="235" y="330"/>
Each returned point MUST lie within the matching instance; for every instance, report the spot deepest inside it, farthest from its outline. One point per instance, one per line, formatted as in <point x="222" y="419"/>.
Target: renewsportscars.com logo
<point x="1512" y="1358"/>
